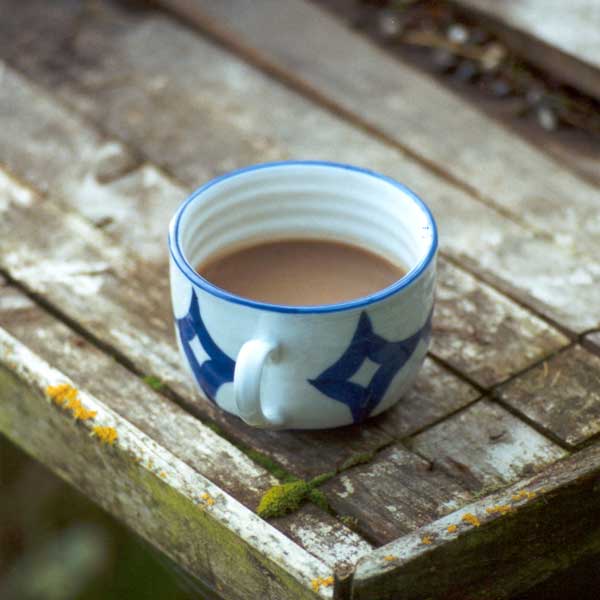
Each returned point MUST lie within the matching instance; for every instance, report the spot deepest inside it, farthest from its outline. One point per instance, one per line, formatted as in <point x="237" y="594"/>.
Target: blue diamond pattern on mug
<point x="361" y="376"/>
<point x="218" y="368"/>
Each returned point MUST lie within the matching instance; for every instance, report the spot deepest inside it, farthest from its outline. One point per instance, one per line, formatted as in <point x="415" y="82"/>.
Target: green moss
<point x="283" y="499"/>
<point x="286" y="498"/>
<point x="320" y="499"/>
<point x="357" y="459"/>
<point x="321" y="479"/>
<point x="154" y="382"/>
<point x="214" y="427"/>
<point x="349" y="521"/>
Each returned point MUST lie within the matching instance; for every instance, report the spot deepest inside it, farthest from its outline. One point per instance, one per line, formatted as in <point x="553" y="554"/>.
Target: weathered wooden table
<point x="483" y="481"/>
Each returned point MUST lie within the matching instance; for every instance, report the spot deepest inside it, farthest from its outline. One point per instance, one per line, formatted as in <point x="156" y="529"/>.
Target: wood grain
<point x="436" y="393"/>
<point x="394" y="494"/>
<point x="108" y="75"/>
<point x="484" y="447"/>
<point x="483" y="334"/>
<point x="149" y="488"/>
<point x="561" y="39"/>
<point x="593" y="340"/>
<point x="561" y="394"/>
<point x="549" y="529"/>
<point x="469" y="454"/>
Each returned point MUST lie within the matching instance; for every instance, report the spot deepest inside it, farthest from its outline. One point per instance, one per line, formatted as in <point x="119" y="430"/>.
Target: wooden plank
<point x="561" y="39"/>
<point x="593" y="340"/>
<point x="473" y="452"/>
<point x="312" y="50"/>
<point x="205" y="104"/>
<point x="482" y="333"/>
<point x="435" y="394"/>
<point x="394" y="494"/>
<point x="485" y="447"/>
<point x="562" y="395"/>
<point x="168" y="425"/>
<point x="553" y="524"/>
<point x="149" y="488"/>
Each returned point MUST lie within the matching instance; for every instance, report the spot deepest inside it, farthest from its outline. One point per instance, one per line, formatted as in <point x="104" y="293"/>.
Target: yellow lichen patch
<point x="522" y="495"/>
<point x="65" y="395"/>
<point x="452" y="528"/>
<point x="389" y="558"/>
<point x="426" y="539"/>
<point x="61" y="393"/>
<point x="207" y="499"/>
<point x="79" y="411"/>
<point x="321" y="581"/>
<point x="163" y="474"/>
<point x="471" y="519"/>
<point x="499" y="509"/>
<point x="107" y="435"/>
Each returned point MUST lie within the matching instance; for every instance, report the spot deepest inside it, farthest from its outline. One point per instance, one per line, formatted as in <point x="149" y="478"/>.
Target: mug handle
<point x="246" y="383"/>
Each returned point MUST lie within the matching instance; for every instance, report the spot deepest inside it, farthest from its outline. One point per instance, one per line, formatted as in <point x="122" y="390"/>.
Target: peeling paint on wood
<point x="561" y="394"/>
<point x="484" y="447"/>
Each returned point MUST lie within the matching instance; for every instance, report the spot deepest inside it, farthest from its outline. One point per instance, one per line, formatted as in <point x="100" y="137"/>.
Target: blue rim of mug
<point x="191" y="274"/>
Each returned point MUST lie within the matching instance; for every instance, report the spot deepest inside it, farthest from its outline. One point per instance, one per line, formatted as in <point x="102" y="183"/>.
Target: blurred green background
<point x="57" y="545"/>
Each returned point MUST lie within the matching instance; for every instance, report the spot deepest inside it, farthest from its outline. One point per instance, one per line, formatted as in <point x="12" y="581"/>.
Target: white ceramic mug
<point x="303" y="367"/>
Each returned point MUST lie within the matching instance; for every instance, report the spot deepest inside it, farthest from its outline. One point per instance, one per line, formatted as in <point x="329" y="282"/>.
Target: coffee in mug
<point x="301" y="272"/>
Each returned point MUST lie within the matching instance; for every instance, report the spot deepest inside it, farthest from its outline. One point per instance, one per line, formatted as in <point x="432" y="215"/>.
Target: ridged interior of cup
<point x="306" y="201"/>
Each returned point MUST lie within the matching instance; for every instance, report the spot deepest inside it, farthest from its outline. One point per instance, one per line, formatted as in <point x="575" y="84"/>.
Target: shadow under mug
<point x="303" y="367"/>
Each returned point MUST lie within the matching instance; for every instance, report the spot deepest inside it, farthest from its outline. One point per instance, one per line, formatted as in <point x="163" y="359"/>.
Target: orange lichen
<point x="500" y="509"/>
<point x="321" y="581"/>
<point x="65" y="396"/>
<point x="207" y="499"/>
<point x="79" y="411"/>
<point x="61" y="393"/>
<point x="452" y="528"/>
<point x="389" y="558"/>
<point x="522" y="495"/>
<point x="426" y="539"/>
<point x="471" y="519"/>
<point x="107" y="435"/>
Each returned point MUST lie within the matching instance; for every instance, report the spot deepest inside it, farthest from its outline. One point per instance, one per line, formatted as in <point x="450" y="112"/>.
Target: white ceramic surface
<point x="314" y="366"/>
